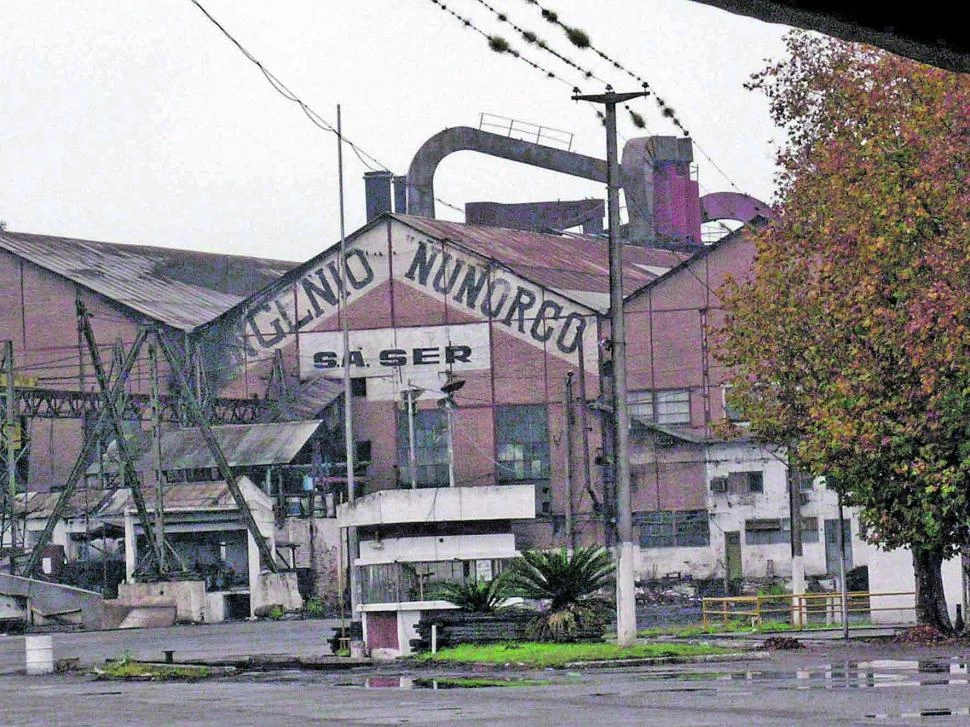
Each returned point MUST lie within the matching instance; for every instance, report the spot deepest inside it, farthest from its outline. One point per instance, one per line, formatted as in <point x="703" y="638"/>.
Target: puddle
<point x="413" y="682"/>
<point x="845" y="675"/>
<point x="932" y="712"/>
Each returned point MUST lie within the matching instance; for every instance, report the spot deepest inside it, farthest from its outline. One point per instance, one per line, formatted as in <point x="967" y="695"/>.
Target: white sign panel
<point x="391" y="357"/>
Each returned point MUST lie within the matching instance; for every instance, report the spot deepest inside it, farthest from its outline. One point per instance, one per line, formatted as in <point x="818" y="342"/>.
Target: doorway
<point x="732" y="560"/>
<point x="832" y="546"/>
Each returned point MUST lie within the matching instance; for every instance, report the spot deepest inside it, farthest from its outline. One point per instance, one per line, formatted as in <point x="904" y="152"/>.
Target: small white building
<point x="413" y="540"/>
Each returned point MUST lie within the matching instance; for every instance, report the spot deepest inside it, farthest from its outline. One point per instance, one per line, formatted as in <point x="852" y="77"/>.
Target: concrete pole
<point x="797" y="563"/>
<point x="626" y="618"/>
<point x="10" y="426"/>
<point x="352" y="543"/>
<point x="842" y="584"/>
<point x="567" y="433"/>
<point x="449" y="419"/>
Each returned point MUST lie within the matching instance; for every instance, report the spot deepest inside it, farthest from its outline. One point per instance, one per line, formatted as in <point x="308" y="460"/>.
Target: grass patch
<point x="540" y="655"/>
<point x="136" y="670"/>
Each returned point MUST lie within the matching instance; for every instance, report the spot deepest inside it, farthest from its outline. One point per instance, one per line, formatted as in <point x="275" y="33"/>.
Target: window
<point x="674" y="529"/>
<point x="430" y="447"/>
<point x="358" y="386"/>
<point x="662" y="407"/>
<point x="746" y="482"/>
<point x="640" y="404"/>
<point x="804" y="480"/>
<point x="776" y="531"/>
<point x="522" y="438"/>
<point x="732" y="414"/>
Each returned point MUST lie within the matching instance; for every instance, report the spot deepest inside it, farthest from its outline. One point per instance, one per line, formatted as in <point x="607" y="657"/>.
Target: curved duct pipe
<point x="464" y="138"/>
<point x="733" y="206"/>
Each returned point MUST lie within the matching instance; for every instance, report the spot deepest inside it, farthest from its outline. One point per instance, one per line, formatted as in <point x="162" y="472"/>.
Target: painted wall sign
<point x="390" y="357"/>
<point x="485" y="290"/>
<point x="527" y="311"/>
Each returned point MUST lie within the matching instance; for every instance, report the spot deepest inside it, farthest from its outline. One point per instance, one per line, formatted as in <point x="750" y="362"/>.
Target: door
<point x="732" y="556"/>
<point x="832" y="546"/>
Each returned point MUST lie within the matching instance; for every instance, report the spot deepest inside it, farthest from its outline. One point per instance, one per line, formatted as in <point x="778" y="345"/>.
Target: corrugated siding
<point x="181" y="288"/>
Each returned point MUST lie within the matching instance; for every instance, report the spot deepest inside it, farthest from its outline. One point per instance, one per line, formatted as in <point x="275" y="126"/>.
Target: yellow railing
<point x="807" y="608"/>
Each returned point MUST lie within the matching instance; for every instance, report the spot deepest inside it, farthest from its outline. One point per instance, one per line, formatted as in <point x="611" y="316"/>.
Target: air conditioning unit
<point x="719" y="484"/>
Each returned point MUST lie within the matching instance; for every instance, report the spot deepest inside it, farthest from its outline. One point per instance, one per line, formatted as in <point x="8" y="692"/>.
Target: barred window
<point x="674" y="528"/>
<point x="430" y="447"/>
<point x="522" y="438"/>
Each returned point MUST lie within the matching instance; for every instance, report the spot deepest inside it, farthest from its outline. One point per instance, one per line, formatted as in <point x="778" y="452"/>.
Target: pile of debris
<point x="923" y="635"/>
<point x="782" y="643"/>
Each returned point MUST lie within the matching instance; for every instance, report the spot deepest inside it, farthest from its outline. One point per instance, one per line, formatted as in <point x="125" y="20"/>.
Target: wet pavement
<point x="827" y="683"/>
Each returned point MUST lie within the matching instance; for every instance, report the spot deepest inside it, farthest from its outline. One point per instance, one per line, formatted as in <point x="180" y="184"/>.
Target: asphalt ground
<point x="827" y="683"/>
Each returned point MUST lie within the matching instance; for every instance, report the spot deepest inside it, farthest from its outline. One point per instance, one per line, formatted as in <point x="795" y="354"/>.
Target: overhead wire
<point x="315" y="118"/>
<point x="581" y="40"/>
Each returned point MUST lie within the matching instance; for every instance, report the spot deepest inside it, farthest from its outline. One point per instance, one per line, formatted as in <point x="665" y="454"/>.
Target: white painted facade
<point x="734" y="511"/>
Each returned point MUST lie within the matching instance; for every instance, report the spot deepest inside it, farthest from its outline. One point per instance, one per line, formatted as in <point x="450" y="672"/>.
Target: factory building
<point x="480" y="358"/>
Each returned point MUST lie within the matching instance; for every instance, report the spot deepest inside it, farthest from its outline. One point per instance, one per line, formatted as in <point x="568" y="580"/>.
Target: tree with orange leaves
<point x="850" y="342"/>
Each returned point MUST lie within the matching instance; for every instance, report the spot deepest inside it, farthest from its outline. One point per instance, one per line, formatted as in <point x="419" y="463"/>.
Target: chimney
<point x="401" y="194"/>
<point x="377" y="193"/>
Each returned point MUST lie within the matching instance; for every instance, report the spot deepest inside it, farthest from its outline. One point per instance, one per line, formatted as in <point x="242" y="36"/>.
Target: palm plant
<point x="570" y="582"/>
<point x="476" y="596"/>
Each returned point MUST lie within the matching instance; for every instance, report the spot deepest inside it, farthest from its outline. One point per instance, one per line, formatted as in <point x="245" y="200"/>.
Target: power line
<point x="315" y="118"/>
<point x="581" y="40"/>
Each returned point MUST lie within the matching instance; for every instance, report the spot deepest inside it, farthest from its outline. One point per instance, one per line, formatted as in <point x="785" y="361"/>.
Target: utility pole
<point x="626" y="618"/>
<point x="797" y="562"/>
<point x="567" y="433"/>
<point x="10" y="427"/>
<point x="352" y="544"/>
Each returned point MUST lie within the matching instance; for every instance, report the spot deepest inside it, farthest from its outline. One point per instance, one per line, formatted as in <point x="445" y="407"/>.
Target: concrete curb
<point x="659" y="660"/>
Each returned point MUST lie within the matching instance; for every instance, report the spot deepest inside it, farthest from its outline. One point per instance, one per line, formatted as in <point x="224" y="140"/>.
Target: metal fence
<point x="808" y="608"/>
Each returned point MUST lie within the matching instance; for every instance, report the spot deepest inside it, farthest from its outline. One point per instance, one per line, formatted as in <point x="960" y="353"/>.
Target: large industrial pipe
<point x="464" y="138"/>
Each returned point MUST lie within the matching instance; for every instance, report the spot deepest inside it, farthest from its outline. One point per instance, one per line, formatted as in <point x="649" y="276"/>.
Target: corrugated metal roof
<point x="114" y="503"/>
<point x="558" y="262"/>
<point x="181" y="288"/>
<point x="243" y="445"/>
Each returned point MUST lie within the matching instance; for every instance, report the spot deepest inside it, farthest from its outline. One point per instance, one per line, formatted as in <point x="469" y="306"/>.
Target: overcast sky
<point x="140" y="122"/>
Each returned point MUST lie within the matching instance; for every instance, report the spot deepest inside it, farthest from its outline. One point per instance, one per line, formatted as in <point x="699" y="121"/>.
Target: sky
<point x="139" y="122"/>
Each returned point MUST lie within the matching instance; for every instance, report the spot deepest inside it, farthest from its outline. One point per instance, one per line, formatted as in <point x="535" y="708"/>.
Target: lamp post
<point x="410" y="396"/>
<point x="626" y="617"/>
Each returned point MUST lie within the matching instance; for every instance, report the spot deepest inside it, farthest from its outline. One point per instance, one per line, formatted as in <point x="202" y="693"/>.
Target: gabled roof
<point x="180" y="288"/>
<point x="731" y="237"/>
<point x="569" y="264"/>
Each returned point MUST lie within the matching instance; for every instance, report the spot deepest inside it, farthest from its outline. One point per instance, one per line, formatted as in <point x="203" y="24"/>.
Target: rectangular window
<point x="743" y="483"/>
<point x="674" y="528"/>
<point x="640" y="405"/>
<point x="662" y="407"/>
<point x="430" y="447"/>
<point x="673" y="407"/>
<point x="777" y="531"/>
<point x="522" y="443"/>
<point x="804" y="480"/>
<point x="731" y="413"/>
